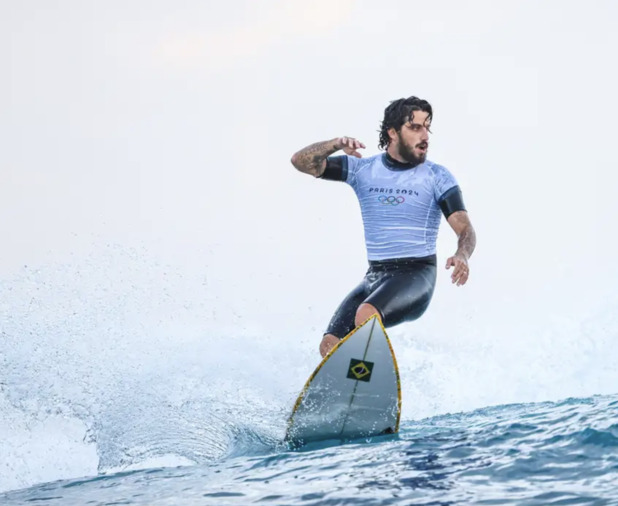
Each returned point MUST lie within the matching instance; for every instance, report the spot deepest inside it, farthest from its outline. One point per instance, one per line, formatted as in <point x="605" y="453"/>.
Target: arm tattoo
<point x="312" y="159"/>
<point x="466" y="236"/>
<point x="466" y="242"/>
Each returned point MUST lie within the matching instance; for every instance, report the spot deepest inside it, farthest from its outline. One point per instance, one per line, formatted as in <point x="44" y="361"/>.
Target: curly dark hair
<point x="397" y="113"/>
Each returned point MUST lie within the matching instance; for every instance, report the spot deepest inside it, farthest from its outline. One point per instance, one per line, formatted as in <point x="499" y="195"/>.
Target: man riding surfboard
<point x="402" y="196"/>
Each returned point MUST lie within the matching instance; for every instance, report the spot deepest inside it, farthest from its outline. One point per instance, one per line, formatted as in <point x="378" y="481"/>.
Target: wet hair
<point x="397" y="113"/>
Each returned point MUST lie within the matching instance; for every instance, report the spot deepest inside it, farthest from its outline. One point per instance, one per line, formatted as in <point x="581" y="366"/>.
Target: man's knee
<point x="364" y="312"/>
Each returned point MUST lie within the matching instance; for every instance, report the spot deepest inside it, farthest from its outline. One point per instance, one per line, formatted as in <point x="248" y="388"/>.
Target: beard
<point x="408" y="155"/>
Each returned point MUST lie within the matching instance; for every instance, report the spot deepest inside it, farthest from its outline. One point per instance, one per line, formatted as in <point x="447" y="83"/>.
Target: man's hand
<point x="349" y="145"/>
<point x="461" y="269"/>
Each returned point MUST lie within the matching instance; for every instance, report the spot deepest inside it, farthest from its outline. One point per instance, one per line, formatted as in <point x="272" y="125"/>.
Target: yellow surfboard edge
<point x="329" y="354"/>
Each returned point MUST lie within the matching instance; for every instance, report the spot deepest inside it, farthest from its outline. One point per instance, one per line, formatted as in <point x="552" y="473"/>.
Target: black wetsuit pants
<point x="400" y="289"/>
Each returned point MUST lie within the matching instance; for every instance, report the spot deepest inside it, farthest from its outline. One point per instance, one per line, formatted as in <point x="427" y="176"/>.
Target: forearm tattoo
<point x="312" y="159"/>
<point x="467" y="241"/>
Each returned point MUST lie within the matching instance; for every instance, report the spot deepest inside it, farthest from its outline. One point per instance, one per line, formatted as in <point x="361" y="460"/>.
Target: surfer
<point x="401" y="195"/>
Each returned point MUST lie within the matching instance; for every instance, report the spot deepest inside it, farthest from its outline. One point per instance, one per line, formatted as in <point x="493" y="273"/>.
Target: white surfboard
<point x="354" y="392"/>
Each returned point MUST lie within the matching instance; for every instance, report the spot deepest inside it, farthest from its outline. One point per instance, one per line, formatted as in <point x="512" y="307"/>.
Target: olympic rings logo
<point x="391" y="200"/>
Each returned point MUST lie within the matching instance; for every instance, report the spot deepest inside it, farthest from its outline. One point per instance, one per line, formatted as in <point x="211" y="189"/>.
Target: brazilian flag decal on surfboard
<point x="360" y="370"/>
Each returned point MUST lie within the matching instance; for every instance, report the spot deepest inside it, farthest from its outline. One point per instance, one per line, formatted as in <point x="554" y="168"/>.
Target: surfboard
<point x="353" y="393"/>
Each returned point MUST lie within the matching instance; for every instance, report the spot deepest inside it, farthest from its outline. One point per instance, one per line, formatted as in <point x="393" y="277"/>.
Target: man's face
<point x="412" y="141"/>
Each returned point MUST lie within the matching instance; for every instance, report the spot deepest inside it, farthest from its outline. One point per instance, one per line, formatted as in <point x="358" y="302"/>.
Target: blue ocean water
<point x="125" y="381"/>
<point x="542" y="453"/>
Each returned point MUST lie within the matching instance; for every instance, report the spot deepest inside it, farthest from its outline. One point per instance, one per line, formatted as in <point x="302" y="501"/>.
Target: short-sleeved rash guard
<point x="401" y="205"/>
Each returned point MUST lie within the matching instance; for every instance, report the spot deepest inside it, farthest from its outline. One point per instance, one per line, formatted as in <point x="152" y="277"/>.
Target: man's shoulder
<point x="442" y="178"/>
<point x="434" y="166"/>
<point x="370" y="160"/>
<point x="362" y="163"/>
<point x="436" y="170"/>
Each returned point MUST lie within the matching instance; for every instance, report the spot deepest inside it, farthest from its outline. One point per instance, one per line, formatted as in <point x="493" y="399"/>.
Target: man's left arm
<point x="460" y="223"/>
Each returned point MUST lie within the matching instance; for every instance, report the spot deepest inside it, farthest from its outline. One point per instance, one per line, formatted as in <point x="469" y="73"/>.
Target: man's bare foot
<point x="329" y="341"/>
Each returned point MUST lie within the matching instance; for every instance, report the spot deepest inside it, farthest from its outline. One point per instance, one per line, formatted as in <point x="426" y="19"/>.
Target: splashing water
<point x="118" y="362"/>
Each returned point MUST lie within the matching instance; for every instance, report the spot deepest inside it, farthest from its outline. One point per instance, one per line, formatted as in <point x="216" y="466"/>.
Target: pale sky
<point x="169" y="126"/>
<point x="159" y="249"/>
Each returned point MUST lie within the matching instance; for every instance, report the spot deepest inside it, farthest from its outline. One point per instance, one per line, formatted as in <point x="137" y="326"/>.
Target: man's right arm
<point x="312" y="159"/>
